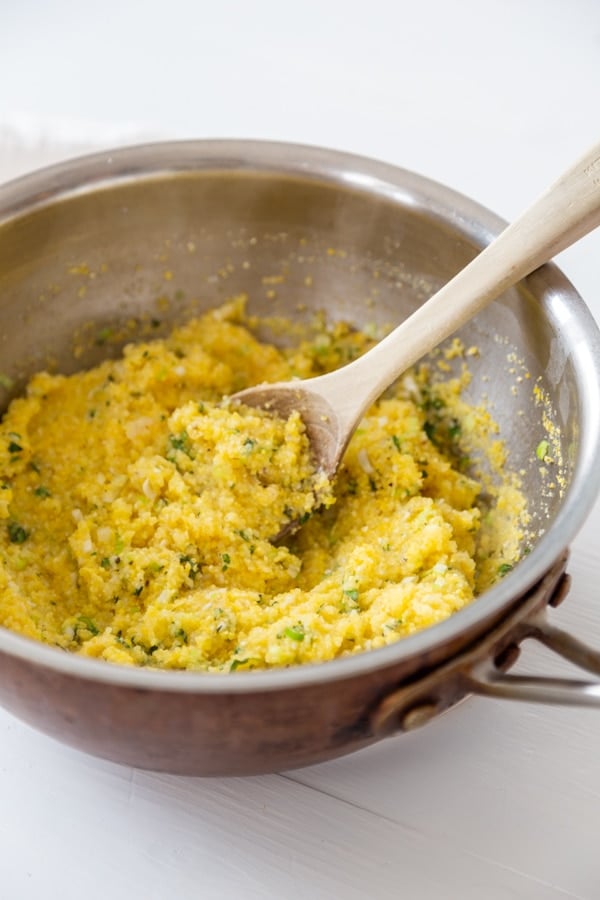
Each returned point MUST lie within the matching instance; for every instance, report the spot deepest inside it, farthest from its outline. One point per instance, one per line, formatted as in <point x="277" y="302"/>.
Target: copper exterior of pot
<point x="114" y="240"/>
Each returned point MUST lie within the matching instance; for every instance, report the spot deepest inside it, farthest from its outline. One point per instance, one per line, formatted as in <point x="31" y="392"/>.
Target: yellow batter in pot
<point x="137" y="507"/>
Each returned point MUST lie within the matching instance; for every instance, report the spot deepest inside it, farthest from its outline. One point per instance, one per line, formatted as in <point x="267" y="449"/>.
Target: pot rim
<point x="152" y="161"/>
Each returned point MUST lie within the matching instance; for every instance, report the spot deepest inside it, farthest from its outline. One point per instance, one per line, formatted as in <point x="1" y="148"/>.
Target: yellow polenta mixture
<point x="138" y="505"/>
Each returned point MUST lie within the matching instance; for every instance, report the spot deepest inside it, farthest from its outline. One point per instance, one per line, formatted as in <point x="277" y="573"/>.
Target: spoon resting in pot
<point x="332" y="405"/>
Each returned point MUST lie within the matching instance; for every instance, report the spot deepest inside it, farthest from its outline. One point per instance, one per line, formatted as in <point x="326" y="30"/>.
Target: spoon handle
<point x="569" y="209"/>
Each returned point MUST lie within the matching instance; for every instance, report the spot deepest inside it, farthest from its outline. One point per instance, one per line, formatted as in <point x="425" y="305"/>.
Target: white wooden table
<point x="495" y="800"/>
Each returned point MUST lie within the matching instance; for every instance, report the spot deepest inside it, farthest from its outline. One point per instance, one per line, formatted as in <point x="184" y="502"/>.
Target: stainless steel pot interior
<point x="144" y="237"/>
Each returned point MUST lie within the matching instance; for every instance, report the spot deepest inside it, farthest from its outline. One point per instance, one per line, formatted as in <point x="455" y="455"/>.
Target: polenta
<point x="138" y="504"/>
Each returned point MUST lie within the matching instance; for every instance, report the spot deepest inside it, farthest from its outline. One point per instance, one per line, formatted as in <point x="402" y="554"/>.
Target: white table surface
<point x="495" y="800"/>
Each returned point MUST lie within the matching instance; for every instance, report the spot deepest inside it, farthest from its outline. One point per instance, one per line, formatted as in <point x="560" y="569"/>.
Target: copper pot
<point x="370" y="242"/>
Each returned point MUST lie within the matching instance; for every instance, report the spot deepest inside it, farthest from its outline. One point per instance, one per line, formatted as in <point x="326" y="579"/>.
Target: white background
<point x="492" y="97"/>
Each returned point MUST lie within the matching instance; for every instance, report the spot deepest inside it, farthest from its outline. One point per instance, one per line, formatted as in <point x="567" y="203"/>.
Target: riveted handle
<point x="482" y="669"/>
<point x="488" y="680"/>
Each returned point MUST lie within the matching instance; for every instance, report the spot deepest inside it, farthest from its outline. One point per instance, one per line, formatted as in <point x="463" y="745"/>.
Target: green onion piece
<point x="237" y="663"/>
<point x="396" y="442"/>
<point x="541" y="451"/>
<point x="89" y="624"/>
<point x="295" y="632"/>
<point x="352" y="594"/>
<point x="504" y="569"/>
<point x="42" y="491"/>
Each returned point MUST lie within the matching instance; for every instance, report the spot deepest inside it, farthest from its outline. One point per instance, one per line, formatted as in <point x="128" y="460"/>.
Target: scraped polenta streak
<point x="138" y="507"/>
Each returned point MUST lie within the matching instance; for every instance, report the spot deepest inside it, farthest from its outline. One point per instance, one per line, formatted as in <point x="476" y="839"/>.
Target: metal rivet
<point x="507" y="657"/>
<point x="418" y="715"/>
<point x="561" y="590"/>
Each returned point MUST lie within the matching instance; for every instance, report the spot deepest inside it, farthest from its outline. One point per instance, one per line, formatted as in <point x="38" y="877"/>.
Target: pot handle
<point x="482" y="668"/>
<point x="487" y="679"/>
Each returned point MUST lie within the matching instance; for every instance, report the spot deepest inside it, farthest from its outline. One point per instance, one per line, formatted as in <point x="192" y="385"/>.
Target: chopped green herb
<point x="16" y="533"/>
<point x="352" y="595"/>
<point x="249" y="445"/>
<point x="295" y="632"/>
<point x="42" y="491"/>
<point x="89" y="624"/>
<point x="541" y="451"/>
<point x="34" y="466"/>
<point x="237" y="663"/>
<point x="432" y="403"/>
<point x="429" y="429"/>
<point x="13" y="447"/>
<point x="455" y="429"/>
<point x="352" y="486"/>
<point x="103" y="335"/>
<point x="396" y="442"/>
<point x="105" y="562"/>
<point x="226" y="561"/>
<point x="504" y="569"/>
<point x="181" y="442"/>
<point x="195" y="567"/>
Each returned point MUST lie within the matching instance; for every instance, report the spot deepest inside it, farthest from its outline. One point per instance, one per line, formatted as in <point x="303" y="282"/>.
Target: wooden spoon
<point x="332" y="405"/>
